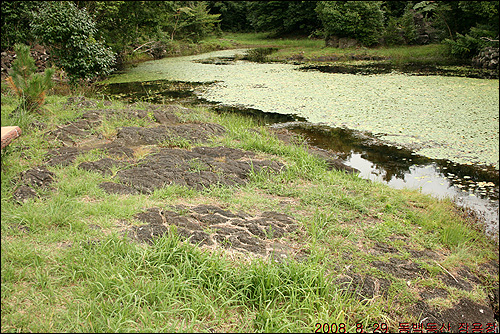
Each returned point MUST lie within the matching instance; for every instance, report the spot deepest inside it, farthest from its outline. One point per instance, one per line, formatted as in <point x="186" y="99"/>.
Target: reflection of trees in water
<point x="390" y="162"/>
<point x="396" y="163"/>
<point x="153" y="91"/>
<point x="388" y="170"/>
<point x="467" y="176"/>
<point x="387" y="160"/>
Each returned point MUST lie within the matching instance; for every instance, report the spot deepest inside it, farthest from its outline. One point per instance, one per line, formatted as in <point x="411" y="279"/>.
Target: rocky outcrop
<point x="263" y="234"/>
<point x="30" y="181"/>
<point x="38" y="52"/>
<point x="199" y="168"/>
<point x="487" y="59"/>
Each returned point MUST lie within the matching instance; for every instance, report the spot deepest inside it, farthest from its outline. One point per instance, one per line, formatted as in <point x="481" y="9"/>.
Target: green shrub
<point x="467" y="46"/>
<point x="362" y="20"/>
<point x="408" y="25"/>
<point x="69" y="33"/>
<point x="393" y="34"/>
<point x="28" y="85"/>
<point x="463" y="47"/>
<point x="259" y="54"/>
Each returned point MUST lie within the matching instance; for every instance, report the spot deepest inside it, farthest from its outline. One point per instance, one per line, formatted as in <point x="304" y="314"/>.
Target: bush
<point x="28" y="85"/>
<point x="69" y="33"/>
<point x="362" y="20"/>
<point x="408" y="24"/>
<point x="393" y="34"/>
<point x="466" y="46"/>
<point x="463" y="47"/>
<point x="259" y="55"/>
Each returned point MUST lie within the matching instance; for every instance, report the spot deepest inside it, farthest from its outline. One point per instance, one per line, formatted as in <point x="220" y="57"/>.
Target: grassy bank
<point x="67" y="267"/>
<point x="314" y="50"/>
<point x="305" y="50"/>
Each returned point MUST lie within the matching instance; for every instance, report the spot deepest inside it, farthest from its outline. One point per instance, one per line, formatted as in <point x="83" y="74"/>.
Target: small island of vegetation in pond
<point x="168" y="216"/>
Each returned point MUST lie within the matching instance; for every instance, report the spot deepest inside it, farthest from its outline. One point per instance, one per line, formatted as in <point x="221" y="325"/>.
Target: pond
<point x="435" y="133"/>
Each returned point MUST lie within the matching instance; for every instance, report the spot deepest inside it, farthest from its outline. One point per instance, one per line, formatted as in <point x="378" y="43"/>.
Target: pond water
<point x="434" y="133"/>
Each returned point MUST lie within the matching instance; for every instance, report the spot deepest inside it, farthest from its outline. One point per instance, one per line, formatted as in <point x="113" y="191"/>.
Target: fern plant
<point x="28" y="85"/>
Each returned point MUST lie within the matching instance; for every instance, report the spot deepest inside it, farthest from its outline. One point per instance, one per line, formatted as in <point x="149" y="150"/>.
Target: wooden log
<point x="9" y="133"/>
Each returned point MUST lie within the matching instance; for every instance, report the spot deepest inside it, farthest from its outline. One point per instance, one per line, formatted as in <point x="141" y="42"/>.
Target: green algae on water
<point x="454" y="118"/>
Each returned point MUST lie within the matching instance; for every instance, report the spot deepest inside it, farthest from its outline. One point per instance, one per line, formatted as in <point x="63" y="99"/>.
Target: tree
<point x="458" y="17"/>
<point x="28" y="85"/>
<point x="362" y="20"/>
<point x="233" y="15"/>
<point x="194" y="22"/>
<point x="469" y="25"/>
<point x="283" y="17"/>
<point x="124" y="24"/>
<point x="69" y="33"/>
<point x="480" y="14"/>
<point x="15" y="18"/>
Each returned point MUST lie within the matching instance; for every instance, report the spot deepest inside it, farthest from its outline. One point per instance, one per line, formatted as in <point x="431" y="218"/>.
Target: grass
<point x="60" y="274"/>
<point x="311" y="49"/>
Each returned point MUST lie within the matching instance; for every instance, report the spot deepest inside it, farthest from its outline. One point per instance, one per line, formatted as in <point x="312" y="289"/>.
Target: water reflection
<point x="474" y="187"/>
<point x="158" y="91"/>
<point x="430" y="179"/>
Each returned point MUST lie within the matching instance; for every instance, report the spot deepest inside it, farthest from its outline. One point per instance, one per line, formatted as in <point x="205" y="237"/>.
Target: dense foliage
<point x="15" y="18"/>
<point x="233" y="15"/>
<point x="283" y="17"/>
<point x="70" y="32"/>
<point x="90" y="30"/>
<point x="125" y="24"/>
<point x="478" y="29"/>
<point x="362" y="20"/>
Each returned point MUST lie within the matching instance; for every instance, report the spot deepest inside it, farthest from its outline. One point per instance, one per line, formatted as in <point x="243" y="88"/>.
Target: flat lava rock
<point x="213" y="227"/>
<point x="193" y="133"/>
<point x="199" y="168"/>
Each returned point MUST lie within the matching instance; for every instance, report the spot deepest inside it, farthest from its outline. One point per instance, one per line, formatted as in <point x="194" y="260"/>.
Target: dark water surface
<point x="471" y="186"/>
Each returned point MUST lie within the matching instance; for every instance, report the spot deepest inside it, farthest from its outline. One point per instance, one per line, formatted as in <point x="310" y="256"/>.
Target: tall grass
<point x="134" y="288"/>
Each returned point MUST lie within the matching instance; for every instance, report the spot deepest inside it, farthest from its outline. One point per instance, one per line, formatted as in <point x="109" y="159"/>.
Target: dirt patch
<point x="364" y="287"/>
<point x="461" y="318"/>
<point x="37" y="177"/>
<point x="434" y="293"/>
<point x="23" y="193"/>
<point x="455" y="282"/>
<point x="401" y="269"/>
<point x="212" y="227"/>
<point x="102" y="166"/>
<point x="85" y="126"/>
<point x="117" y="188"/>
